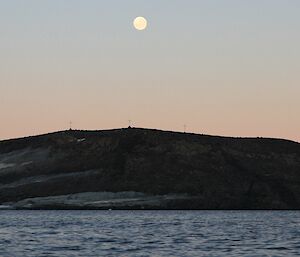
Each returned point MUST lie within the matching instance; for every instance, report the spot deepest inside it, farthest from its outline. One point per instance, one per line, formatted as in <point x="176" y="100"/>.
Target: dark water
<point x="149" y="233"/>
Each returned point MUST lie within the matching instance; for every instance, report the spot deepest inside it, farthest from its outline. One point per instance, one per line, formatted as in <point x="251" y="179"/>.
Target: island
<point x="137" y="168"/>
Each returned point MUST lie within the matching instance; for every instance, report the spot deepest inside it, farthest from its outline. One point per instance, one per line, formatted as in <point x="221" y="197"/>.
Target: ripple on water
<point x="148" y="233"/>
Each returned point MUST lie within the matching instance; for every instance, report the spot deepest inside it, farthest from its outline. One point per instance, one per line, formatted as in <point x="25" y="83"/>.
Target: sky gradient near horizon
<point x="222" y="67"/>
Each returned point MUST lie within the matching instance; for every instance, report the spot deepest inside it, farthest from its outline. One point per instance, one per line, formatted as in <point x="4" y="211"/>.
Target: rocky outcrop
<point x="165" y="170"/>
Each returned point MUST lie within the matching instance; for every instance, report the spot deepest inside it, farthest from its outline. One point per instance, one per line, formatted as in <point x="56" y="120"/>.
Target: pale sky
<point x="222" y="67"/>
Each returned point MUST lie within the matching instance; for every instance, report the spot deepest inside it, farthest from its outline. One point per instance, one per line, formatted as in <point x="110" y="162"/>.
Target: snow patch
<point x="26" y="163"/>
<point x="6" y="165"/>
<point x="45" y="178"/>
<point x="99" y="200"/>
<point x="6" y="207"/>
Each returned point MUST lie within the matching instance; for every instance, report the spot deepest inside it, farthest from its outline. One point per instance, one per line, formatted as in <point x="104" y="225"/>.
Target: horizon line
<point x="145" y="128"/>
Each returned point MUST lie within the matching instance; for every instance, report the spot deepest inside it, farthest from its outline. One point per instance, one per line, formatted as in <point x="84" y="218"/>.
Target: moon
<point x="140" y="23"/>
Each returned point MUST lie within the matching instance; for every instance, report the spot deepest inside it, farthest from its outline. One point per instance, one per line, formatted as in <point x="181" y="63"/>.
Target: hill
<point x="138" y="168"/>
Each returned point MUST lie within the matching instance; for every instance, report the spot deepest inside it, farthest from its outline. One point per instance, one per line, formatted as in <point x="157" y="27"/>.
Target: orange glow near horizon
<point x="230" y="68"/>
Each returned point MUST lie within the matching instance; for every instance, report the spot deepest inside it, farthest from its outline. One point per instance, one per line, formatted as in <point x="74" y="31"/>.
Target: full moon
<point x="140" y="23"/>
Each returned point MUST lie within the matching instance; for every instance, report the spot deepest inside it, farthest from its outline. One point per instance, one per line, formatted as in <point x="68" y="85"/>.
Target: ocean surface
<point x="149" y="233"/>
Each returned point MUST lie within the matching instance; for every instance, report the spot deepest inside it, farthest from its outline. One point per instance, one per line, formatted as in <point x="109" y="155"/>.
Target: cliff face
<point x="150" y="169"/>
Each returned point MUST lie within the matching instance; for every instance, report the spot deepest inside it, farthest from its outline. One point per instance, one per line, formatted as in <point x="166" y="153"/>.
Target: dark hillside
<point x="211" y="172"/>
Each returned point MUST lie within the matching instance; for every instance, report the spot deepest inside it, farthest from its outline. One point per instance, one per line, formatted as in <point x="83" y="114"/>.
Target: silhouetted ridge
<point x="172" y="170"/>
